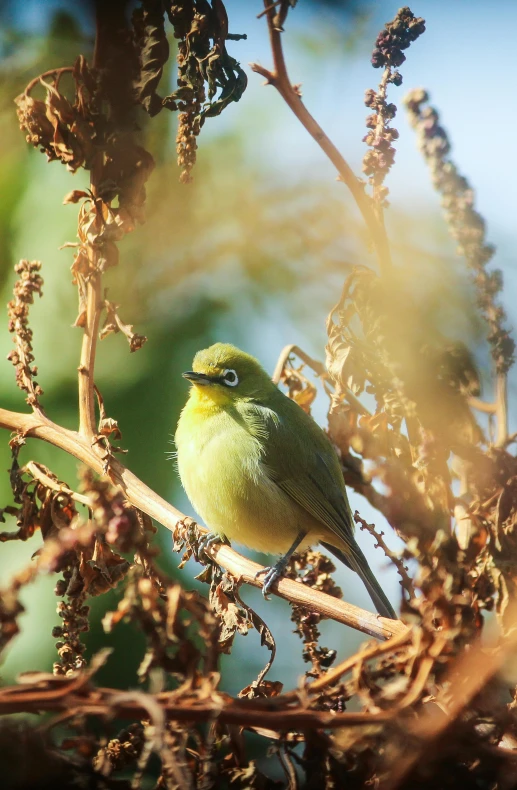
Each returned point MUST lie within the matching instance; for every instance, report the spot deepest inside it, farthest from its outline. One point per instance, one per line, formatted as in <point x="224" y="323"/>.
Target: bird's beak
<point x="197" y="378"/>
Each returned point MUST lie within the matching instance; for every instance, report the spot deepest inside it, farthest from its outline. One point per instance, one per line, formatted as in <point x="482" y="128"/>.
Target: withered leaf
<point x="109" y="427"/>
<point x="266" y="688"/>
<point x="103" y="572"/>
<point x="80" y="321"/>
<point x="32" y="114"/>
<point x="75" y="196"/>
<point x="232" y="618"/>
<point x="153" y="50"/>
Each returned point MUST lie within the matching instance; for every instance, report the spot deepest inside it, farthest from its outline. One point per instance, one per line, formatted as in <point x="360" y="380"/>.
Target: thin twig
<point x="319" y="369"/>
<point x="406" y="582"/>
<point x="52" y="72"/>
<point x="481" y="405"/>
<point x="279" y="78"/>
<point x="366" y="654"/>
<point x="35" y="470"/>
<point x="501" y="409"/>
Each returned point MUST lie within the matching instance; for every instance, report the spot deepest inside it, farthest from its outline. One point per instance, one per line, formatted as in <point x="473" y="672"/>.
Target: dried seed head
<point x="395" y="36"/>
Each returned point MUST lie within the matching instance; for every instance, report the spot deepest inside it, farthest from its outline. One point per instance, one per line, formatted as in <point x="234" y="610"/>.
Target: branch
<point x="141" y="496"/>
<point x="398" y="562"/>
<point x="501" y="409"/>
<point x="38" y="473"/>
<point x="279" y="78"/>
<point x="87" y="422"/>
<point x="227" y="710"/>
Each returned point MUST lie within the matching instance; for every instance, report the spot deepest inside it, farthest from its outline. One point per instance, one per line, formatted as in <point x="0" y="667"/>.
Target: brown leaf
<point x="102" y="571"/>
<point x="32" y="114"/>
<point x="266" y="688"/>
<point x="75" y="196"/>
<point x="109" y="427"/>
<point x="80" y="321"/>
<point x="153" y="49"/>
<point x="232" y="618"/>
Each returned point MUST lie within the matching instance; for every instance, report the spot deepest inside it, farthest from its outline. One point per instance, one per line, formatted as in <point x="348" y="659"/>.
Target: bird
<point x="260" y="471"/>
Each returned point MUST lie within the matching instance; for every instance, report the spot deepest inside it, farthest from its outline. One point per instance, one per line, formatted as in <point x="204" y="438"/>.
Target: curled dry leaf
<point x="75" y="196"/>
<point x="113" y="324"/>
<point x="232" y="618"/>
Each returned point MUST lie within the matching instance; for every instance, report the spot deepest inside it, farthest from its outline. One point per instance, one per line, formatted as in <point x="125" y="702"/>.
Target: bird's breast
<point x="221" y="469"/>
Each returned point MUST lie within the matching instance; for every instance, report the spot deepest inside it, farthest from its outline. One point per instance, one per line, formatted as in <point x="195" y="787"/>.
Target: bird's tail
<point x="358" y="563"/>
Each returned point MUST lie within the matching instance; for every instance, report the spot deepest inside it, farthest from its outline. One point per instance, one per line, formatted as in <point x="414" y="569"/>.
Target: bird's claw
<point x="272" y="574"/>
<point x="209" y="540"/>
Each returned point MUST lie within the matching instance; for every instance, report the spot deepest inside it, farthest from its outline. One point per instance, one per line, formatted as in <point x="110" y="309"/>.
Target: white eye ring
<point x="230" y="377"/>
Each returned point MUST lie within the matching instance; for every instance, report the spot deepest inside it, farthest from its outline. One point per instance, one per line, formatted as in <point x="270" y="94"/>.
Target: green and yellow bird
<point x="260" y="471"/>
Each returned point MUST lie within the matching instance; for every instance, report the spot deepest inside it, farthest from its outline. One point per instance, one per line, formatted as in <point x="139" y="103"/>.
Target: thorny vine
<point x="431" y="683"/>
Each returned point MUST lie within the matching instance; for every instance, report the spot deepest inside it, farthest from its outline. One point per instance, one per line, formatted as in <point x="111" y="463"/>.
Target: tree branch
<point x="227" y="710"/>
<point x="144" y="498"/>
<point x="87" y="421"/>
<point x="501" y="409"/>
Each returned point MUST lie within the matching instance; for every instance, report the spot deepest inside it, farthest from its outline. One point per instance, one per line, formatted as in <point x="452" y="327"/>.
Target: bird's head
<point x="225" y="374"/>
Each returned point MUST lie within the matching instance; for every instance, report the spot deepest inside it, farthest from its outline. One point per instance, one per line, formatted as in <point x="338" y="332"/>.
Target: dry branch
<point x="144" y="498"/>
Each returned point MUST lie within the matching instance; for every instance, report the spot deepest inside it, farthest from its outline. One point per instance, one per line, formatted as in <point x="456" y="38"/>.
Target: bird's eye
<point x="230" y="377"/>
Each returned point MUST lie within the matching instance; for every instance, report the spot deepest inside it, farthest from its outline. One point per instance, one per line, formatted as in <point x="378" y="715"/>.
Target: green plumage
<point x="258" y="469"/>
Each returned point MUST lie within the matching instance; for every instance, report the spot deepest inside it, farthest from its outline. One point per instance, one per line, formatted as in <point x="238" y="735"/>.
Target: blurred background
<point x="253" y="252"/>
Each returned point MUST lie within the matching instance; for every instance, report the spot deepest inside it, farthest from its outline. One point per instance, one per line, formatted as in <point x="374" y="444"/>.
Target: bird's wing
<point x="316" y="490"/>
<point x="300" y="459"/>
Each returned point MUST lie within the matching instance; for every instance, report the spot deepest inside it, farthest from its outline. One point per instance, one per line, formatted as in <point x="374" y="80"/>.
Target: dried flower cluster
<point x="74" y="615"/>
<point x="121" y="752"/>
<point x="466" y="224"/>
<point x="57" y="127"/>
<point x="205" y="68"/>
<point x="388" y="54"/>
<point x="28" y="284"/>
<point x="317" y="574"/>
<point x="394" y="38"/>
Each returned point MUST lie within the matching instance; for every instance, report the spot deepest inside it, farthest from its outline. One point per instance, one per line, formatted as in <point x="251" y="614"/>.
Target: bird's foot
<point x="208" y="540"/>
<point x="272" y="574"/>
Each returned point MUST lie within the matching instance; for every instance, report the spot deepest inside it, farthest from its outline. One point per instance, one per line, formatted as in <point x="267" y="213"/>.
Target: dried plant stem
<point x="39" y="474"/>
<point x="109" y="702"/>
<point x="87" y="421"/>
<point x="377" y="190"/>
<point x="57" y="73"/>
<point x="108" y="17"/>
<point x="405" y="580"/>
<point x="279" y="78"/>
<point x="144" y="498"/>
<point x="227" y="710"/>
<point x="482" y="406"/>
<point x="501" y="409"/>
